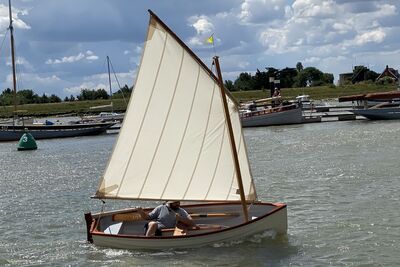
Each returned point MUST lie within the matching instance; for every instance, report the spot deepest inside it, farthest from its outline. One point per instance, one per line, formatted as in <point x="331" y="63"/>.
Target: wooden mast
<point x="232" y="140"/>
<point x="109" y="82"/>
<point x="13" y="59"/>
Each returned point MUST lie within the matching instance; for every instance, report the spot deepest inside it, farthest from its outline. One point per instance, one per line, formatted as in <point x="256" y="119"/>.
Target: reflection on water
<point x="340" y="181"/>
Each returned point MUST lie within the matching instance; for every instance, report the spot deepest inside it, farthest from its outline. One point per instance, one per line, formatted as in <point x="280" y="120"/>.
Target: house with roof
<point x="390" y="73"/>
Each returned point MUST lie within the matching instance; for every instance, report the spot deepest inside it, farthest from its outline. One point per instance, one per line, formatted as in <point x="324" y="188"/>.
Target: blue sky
<point x="62" y="44"/>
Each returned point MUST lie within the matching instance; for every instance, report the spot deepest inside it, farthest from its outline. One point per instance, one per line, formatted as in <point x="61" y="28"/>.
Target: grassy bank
<point x="317" y="93"/>
<point x="83" y="107"/>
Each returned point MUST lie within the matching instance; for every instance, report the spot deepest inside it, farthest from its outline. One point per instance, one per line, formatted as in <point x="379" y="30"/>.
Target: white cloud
<point x="375" y="36"/>
<point x="259" y="11"/>
<point x="314" y="8"/>
<point x="17" y="22"/>
<point x="88" y="55"/>
<point x="202" y="24"/>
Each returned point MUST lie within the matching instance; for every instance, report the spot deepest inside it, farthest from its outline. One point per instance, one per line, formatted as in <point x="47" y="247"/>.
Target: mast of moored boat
<point x="13" y="59"/>
<point x="109" y="83"/>
<point x="231" y="139"/>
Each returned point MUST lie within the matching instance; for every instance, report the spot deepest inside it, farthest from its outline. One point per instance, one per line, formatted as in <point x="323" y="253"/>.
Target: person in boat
<point x="277" y="94"/>
<point x="167" y="215"/>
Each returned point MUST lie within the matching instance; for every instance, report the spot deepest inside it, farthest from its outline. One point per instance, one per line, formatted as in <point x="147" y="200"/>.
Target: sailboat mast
<point x="13" y="58"/>
<point x="109" y="82"/>
<point x="232" y="139"/>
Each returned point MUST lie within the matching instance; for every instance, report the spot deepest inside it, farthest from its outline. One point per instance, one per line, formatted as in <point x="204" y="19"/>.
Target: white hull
<point x="269" y="217"/>
<point x="261" y="118"/>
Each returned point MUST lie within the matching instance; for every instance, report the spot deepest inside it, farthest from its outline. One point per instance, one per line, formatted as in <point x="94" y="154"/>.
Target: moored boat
<point x="386" y="105"/>
<point x="268" y="116"/>
<point x="14" y="132"/>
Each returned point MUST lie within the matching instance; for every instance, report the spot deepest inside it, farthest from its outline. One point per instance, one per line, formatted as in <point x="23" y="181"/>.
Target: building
<point x="390" y="73"/>
<point x="359" y="74"/>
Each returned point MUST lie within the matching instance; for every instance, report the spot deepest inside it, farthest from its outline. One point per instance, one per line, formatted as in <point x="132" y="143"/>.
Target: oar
<point x="134" y="216"/>
<point x="225" y="214"/>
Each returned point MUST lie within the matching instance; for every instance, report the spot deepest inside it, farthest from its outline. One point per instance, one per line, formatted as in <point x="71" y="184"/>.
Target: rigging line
<point x="184" y="132"/>
<point x="202" y="142"/>
<point x="165" y="122"/>
<point x="145" y="111"/>
<point x="2" y="42"/>
<point x="119" y="85"/>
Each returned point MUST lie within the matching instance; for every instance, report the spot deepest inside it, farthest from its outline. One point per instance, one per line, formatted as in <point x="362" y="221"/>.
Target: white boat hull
<point x="275" y="219"/>
<point x="255" y="119"/>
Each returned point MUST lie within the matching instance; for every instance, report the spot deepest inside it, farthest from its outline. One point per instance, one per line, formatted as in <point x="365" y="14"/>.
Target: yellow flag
<point x="210" y="39"/>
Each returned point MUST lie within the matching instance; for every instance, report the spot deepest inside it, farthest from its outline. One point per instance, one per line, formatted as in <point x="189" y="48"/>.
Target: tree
<point x="287" y="77"/>
<point x="244" y="82"/>
<point x="229" y="85"/>
<point x="309" y="76"/>
<point x="54" y="99"/>
<point x="44" y="99"/>
<point x="123" y="92"/>
<point x="261" y="80"/>
<point x="327" y="78"/>
<point x="299" y="66"/>
<point x="101" y="94"/>
<point x="6" y="97"/>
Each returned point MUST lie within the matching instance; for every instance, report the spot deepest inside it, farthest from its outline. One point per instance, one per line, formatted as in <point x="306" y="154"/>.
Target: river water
<point x="341" y="182"/>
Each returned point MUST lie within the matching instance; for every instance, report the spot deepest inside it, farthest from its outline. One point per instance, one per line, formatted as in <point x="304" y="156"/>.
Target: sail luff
<point x="142" y="122"/>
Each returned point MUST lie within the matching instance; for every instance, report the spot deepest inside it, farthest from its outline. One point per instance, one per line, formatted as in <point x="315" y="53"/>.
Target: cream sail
<point x="174" y="141"/>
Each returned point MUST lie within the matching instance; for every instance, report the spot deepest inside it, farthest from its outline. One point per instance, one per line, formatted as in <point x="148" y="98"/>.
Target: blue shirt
<point x="165" y="216"/>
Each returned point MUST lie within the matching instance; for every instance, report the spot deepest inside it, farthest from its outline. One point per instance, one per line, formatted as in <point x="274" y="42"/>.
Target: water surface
<point x="339" y="179"/>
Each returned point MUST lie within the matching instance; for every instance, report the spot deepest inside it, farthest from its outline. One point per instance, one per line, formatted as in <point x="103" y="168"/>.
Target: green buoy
<point x="27" y="142"/>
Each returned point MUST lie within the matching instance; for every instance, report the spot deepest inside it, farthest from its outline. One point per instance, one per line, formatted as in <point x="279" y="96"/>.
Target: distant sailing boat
<point x="14" y="132"/>
<point x="181" y="139"/>
<point x="106" y="116"/>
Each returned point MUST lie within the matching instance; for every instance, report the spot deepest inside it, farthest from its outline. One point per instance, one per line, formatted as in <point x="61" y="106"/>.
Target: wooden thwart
<point x="179" y="231"/>
<point x="134" y="216"/>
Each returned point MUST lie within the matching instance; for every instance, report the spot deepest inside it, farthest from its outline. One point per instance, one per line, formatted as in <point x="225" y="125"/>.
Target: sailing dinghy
<point x="181" y="139"/>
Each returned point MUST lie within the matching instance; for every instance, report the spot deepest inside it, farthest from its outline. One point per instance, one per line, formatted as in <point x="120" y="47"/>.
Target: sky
<point x="62" y="45"/>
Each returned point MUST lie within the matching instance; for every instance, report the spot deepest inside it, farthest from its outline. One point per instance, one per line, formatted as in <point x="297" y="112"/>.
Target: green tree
<point x="309" y="76"/>
<point x="124" y="92"/>
<point x="229" y="85"/>
<point x="6" y="97"/>
<point x="299" y="67"/>
<point x="44" y="99"/>
<point x="244" y="82"/>
<point x="287" y="77"/>
<point x="54" y="99"/>
<point x="261" y="80"/>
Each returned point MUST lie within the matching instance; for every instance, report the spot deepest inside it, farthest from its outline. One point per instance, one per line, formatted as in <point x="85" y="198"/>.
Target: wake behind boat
<point x="181" y="140"/>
